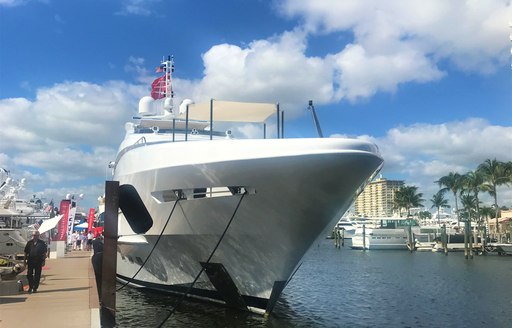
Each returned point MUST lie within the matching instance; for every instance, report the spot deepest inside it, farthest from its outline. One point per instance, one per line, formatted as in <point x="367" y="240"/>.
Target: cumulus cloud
<point x="397" y="42"/>
<point x="274" y="70"/>
<point x="68" y="133"/>
<point x="422" y="153"/>
<point x="75" y="127"/>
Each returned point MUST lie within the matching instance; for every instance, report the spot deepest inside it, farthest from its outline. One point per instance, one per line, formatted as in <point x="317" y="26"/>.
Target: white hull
<point x="12" y="242"/>
<point x="379" y="239"/>
<point x="299" y="187"/>
<point x="505" y="248"/>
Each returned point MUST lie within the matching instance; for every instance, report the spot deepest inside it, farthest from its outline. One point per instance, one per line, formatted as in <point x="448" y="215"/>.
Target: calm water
<point x="350" y="288"/>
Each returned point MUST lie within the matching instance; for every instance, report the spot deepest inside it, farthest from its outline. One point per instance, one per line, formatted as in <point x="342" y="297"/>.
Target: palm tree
<point x="487" y="212"/>
<point x="473" y="181"/>
<point x="408" y="197"/>
<point x="495" y="174"/>
<point x="452" y="182"/>
<point x="438" y="201"/>
<point x="469" y="205"/>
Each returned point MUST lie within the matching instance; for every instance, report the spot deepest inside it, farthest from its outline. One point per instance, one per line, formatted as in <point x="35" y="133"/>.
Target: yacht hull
<point x="294" y="197"/>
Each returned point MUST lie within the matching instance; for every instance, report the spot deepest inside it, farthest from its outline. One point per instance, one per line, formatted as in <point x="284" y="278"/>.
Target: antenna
<point x="169" y="94"/>
<point x="315" y="119"/>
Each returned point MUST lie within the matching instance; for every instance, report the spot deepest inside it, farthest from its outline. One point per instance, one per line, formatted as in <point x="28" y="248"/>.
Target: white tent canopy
<point x="49" y="224"/>
<point x="83" y="225"/>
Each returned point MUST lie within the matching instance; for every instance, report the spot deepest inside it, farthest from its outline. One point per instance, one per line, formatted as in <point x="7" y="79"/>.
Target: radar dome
<point x="146" y="106"/>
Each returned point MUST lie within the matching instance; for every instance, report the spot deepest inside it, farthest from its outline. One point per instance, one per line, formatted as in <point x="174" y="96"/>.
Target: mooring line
<point x="154" y="246"/>
<point x="203" y="267"/>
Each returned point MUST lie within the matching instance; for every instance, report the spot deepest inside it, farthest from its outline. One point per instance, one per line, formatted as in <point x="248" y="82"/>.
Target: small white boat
<point x="12" y="241"/>
<point x="504" y="248"/>
<point x="390" y="233"/>
<point x="349" y="225"/>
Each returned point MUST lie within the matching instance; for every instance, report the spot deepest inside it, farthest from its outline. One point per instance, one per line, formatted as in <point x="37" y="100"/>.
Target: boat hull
<point x="380" y="239"/>
<point x="293" y="199"/>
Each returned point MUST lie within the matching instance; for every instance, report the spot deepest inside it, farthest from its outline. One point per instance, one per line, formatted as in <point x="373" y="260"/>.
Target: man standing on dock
<point x="35" y="254"/>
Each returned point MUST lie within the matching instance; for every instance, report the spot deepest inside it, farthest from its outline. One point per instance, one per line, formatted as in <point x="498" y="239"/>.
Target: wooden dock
<point x="67" y="296"/>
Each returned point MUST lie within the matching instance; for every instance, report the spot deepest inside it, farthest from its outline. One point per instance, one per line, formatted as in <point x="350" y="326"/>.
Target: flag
<point x="38" y="224"/>
<point x="49" y="208"/>
<point x="158" y="88"/>
<point x="90" y="219"/>
<point x="160" y="69"/>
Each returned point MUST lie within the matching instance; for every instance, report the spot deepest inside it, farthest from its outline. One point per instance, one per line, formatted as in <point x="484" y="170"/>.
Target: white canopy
<point x="83" y="225"/>
<point x="49" y="224"/>
<point x="231" y="111"/>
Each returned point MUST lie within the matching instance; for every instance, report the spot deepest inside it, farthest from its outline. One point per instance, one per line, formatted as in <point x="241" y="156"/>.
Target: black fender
<point x="134" y="209"/>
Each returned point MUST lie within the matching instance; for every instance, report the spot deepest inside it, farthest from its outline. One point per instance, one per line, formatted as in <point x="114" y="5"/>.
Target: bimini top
<point x="230" y="111"/>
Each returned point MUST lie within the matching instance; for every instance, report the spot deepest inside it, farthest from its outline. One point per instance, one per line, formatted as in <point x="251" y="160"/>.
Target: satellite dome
<point x="146" y="106"/>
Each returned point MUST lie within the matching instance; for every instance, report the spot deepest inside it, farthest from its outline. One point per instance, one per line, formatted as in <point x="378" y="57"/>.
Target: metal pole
<point x="315" y="118"/>
<point x="264" y="130"/>
<point x="108" y="277"/>
<point x="211" y="119"/>
<point x="278" y="134"/>
<point x="282" y="124"/>
<point x="173" y="128"/>
<point x="186" y="125"/>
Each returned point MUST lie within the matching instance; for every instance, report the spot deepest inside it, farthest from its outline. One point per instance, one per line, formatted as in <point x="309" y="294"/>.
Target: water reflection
<point x="348" y="288"/>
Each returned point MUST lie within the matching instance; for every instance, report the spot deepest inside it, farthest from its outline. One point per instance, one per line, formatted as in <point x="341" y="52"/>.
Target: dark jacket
<point x="36" y="253"/>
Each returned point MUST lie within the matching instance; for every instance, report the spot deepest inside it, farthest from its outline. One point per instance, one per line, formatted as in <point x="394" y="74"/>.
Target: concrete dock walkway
<point x="67" y="296"/>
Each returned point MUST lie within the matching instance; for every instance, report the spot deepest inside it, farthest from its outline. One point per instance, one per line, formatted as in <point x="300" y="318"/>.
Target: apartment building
<point x="377" y="198"/>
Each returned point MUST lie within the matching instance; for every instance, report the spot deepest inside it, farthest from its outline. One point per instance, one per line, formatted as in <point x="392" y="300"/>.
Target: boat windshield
<point x="397" y="223"/>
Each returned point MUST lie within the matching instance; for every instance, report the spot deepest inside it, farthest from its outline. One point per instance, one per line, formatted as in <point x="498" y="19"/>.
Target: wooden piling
<point x="484" y="240"/>
<point x="364" y="237"/>
<point x="108" y="281"/>
<point x="410" y="239"/>
<point x="466" y="253"/>
<point x="470" y="235"/>
<point x="444" y="239"/>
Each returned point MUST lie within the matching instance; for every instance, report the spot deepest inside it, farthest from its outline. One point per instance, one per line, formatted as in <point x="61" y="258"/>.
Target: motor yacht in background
<point x="350" y="224"/>
<point x="254" y="206"/>
<point x="389" y="233"/>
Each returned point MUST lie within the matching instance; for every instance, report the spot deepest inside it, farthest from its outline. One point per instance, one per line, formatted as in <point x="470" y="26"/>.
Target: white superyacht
<point x="230" y="219"/>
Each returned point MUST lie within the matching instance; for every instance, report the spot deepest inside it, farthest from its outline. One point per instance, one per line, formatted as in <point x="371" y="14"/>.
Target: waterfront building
<point x="377" y="198"/>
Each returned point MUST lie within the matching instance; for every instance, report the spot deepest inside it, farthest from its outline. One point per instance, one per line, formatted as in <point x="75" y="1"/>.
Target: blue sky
<point x="428" y="81"/>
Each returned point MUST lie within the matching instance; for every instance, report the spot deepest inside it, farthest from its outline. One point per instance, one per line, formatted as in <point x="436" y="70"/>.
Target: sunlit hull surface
<point x="298" y="189"/>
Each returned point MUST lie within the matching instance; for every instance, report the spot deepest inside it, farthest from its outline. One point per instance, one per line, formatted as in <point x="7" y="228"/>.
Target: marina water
<point x="353" y="288"/>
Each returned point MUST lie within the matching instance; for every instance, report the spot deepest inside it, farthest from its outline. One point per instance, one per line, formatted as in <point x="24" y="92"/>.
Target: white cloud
<point x="405" y="41"/>
<point x="68" y="133"/>
<point x="136" y="7"/>
<point x="422" y="153"/>
<point x="12" y="3"/>
<point x="275" y="70"/>
<point x="361" y="74"/>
